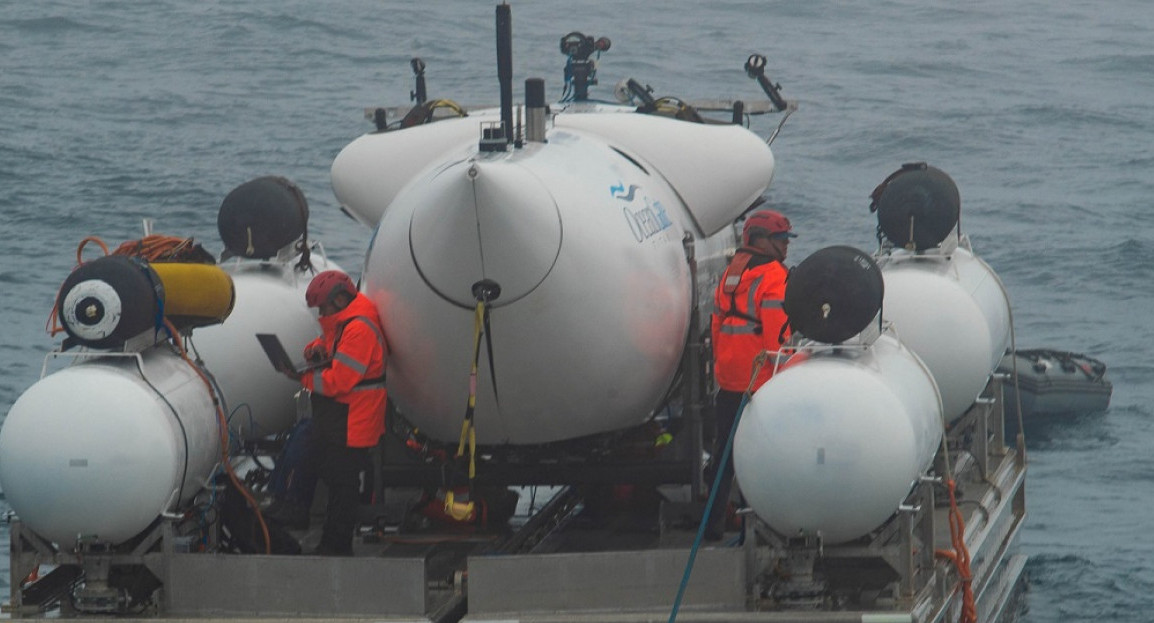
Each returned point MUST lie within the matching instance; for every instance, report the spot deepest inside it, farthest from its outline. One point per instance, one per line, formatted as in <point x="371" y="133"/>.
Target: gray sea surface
<point x="1043" y="112"/>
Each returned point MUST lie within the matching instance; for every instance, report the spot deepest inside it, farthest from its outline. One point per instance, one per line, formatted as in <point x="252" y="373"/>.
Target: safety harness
<point x="377" y="382"/>
<point x="733" y="275"/>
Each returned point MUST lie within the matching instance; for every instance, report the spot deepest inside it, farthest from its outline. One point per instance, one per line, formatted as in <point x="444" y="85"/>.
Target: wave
<point x="52" y="25"/>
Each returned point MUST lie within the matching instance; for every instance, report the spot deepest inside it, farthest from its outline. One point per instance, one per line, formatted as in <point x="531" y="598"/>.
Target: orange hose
<point x="960" y="556"/>
<point x="155" y="247"/>
<point x="223" y="426"/>
<point x="80" y="248"/>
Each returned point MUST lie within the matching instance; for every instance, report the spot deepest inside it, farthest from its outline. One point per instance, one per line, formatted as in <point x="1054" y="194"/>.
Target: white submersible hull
<point x="578" y="243"/>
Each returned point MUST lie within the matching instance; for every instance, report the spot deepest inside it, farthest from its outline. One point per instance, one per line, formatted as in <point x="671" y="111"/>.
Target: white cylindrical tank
<point x="833" y="442"/>
<point x="270" y="298"/>
<point x="950" y="308"/>
<point x="99" y="449"/>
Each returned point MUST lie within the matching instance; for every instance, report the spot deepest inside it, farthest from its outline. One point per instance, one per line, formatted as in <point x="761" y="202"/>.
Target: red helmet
<point x="765" y="223"/>
<point x="326" y="285"/>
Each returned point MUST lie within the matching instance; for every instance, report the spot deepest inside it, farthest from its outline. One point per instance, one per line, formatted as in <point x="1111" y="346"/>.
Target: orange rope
<point x="223" y="426"/>
<point x="960" y="557"/>
<point x="155" y="247"/>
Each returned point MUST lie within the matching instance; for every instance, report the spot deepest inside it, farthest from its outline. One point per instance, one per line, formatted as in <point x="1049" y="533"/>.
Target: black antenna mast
<point x="505" y="67"/>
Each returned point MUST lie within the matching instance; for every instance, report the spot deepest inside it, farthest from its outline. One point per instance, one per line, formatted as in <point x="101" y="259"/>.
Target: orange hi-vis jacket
<point x="747" y="320"/>
<point x="356" y="376"/>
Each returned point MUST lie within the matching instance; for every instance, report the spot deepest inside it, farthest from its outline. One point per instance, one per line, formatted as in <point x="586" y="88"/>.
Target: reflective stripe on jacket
<point x="356" y="376"/>
<point x="746" y="323"/>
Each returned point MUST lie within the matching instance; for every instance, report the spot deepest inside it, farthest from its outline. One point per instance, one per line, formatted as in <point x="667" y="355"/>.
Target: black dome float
<point x="833" y="294"/>
<point x="105" y="302"/>
<point x="262" y="216"/>
<point x="917" y="206"/>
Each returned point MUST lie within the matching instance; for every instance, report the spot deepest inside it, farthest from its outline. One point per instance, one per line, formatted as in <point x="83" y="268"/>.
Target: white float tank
<point x="263" y="223"/>
<point x="270" y="298"/>
<point x="945" y="303"/>
<point x="99" y="449"/>
<point x="832" y="444"/>
<point x="951" y="309"/>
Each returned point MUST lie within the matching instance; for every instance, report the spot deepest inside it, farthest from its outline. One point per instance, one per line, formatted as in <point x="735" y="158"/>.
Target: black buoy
<point x="917" y="206"/>
<point x="105" y="302"/>
<point x="262" y="216"/>
<point x="833" y="294"/>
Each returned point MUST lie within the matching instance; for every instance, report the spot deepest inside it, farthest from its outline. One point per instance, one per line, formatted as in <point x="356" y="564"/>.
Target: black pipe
<point x="738" y="112"/>
<point x="505" y="66"/>
<point x="534" y="93"/>
<point x="419" y="94"/>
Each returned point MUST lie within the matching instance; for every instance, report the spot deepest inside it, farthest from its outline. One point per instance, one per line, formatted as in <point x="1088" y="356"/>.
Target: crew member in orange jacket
<point x="348" y="398"/>
<point x="747" y="319"/>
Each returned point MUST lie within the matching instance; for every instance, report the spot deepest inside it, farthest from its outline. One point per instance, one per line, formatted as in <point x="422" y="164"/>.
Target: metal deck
<point x="577" y="560"/>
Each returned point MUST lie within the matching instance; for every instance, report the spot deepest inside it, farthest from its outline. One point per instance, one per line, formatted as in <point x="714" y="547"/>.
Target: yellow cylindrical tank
<point x="195" y="295"/>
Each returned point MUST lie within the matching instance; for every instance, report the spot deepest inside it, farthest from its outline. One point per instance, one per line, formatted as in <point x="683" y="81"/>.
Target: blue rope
<point x="708" y="509"/>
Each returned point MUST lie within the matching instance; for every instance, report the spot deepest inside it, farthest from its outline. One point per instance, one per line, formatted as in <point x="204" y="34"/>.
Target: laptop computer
<point x="280" y="358"/>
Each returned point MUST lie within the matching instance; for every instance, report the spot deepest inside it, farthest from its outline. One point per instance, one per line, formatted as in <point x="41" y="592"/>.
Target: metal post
<point x="998" y="417"/>
<point x="15" y="553"/>
<point x="694" y="383"/>
<point x="985" y="407"/>
<point x="167" y="554"/>
<point x="906" y="547"/>
<point x="926" y="531"/>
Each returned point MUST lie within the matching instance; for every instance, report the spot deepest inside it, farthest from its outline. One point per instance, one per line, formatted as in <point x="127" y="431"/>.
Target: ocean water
<point x="1043" y="112"/>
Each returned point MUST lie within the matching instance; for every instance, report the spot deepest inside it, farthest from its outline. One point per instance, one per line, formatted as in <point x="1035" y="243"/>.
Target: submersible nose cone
<point x="490" y="223"/>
